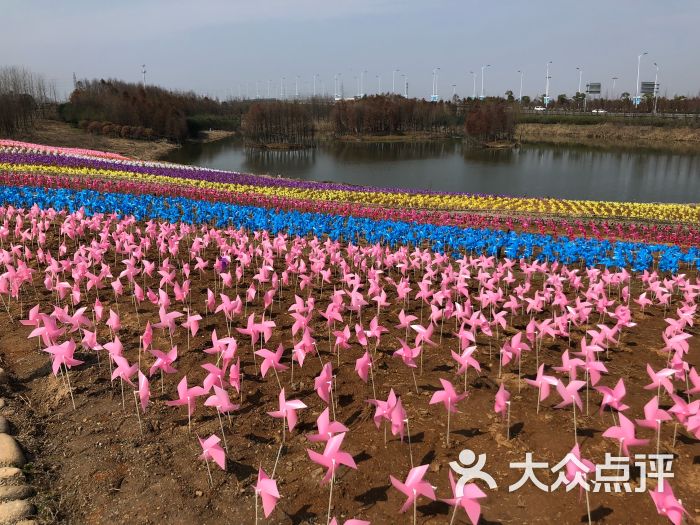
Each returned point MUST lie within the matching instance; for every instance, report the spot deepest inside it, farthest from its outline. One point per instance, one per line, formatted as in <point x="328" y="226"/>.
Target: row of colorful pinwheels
<point x="462" y="308"/>
<point x="35" y="160"/>
<point x="637" y="256"/>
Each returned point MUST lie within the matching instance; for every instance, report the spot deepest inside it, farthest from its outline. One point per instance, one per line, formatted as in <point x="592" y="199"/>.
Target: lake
<point x="531" y="170"/>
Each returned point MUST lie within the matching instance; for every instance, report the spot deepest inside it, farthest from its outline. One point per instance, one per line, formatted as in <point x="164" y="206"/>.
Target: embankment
<point x="611" y="135"/>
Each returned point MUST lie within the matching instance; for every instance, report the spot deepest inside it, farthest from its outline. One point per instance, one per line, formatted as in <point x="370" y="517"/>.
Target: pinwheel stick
<point x="211" y="480"/>
<point x="575" y="431"/>
<point x="70" y="388"/>
<point x="454" y="513"/>
<point x="588" y="507"/>
<point x="138" y="415"/>
<point x="675" y="429"/>
<point x="330" y="493"/>
<point x="448" y="427"/>
<point x="221" y="424"/>
<point x="508" y="422"/>
<point x="256" y="508"/>
<point x="410" y="447"/>
<point x="415" y="518"/>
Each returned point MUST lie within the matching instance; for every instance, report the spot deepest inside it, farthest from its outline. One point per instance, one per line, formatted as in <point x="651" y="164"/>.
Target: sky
<point x="222" y="48"/>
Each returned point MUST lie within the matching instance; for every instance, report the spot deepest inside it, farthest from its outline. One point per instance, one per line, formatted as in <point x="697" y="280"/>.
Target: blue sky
<point x="223" y="47"/>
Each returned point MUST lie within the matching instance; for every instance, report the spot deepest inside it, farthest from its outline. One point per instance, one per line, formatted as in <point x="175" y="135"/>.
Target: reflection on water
<point x="532" y="170"/>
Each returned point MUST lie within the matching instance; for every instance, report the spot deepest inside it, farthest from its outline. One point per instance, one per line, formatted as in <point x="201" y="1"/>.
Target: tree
<point x="525" y="101"/>
<point x="509" y="95"/>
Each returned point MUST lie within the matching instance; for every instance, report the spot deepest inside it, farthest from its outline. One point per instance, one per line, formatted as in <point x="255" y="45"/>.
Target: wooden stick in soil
<point x="138" y="414"/>
<point x="508" y="422"/>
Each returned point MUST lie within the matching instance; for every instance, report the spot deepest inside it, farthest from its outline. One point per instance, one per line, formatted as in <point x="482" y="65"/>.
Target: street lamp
<point x="362" y="82"/>
<point x="474" y="79"/>
<point x="614" y="79"/>
<point x="405" y="85"/>
<point x="393" y="81"/>
<point x="379" y="78"/>
<point x="639" y="62"/>
<point x="580" y="74"/>
<point x="520" y="94"/>
<point x="546" y="85"/>
<point x="482" y="80"/>
<point x="454" y="90"/>
<point x="434" y="95"/>
<point x="656" y="86"/>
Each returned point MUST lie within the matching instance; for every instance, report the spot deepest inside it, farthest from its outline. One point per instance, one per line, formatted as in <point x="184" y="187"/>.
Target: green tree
<point x="509" y="95"/>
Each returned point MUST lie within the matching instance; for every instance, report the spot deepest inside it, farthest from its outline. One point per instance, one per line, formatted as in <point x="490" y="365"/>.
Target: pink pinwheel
<point x="163" y="361"/>
<point x="502" y="401"/>
<point x="332" y="457"/>
<point x="405" y="320"/>
<point x="407" y="354"/>
<point x="89" y="340"/>
<point x="63" y="355"/>
<point x="323" y="383"/>
<point x="694" y="378"/>
<point x="413" y="487"/>
<point x="383" y="408"/>
<point x="467" y="497"/>
<point x="144" y="391"/>
<point x="448" y="397"/>
<point x="271" y="360"/>
<point x="287" y="411"/>
<point x="147" y="337"/>
<point x="33" y="318"/>
<point x="215" y="376"/>
<point x="326" y="427"/>
<point x="569" y="365"/>
<point x="653" y="417"/>
<point x="465" y="360"/>
<point x="660" y="379"/>
<point x="266" y="489"/>
<point x="167" y="319"/>
<point x="212" y="450"/>
<point x="234" y="375"/>
<point x="569" y="393"/>
<point x="612" y="397"/>
<point x="192" y="323"/>
<point x="666" y="503"/>
<point x="187" y="396"/>
<point x="363" y="366"/>
<point x="220" y="400"/>
<point x="683" y="410"/>
<point x="625" y="435"/>
<point x="542" y="383"/>
<point x="114" y="321"/>
<point x="123" y="371"/>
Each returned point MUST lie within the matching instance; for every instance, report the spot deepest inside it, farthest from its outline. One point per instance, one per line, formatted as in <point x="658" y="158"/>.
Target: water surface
<point x="531" y="170"/>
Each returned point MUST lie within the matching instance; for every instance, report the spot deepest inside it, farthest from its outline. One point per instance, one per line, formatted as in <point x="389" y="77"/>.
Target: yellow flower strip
<point x="575" y="208"/>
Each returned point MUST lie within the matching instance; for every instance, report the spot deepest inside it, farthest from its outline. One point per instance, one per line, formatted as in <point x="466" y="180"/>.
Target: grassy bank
<point x="611" y="135"/>
<point x="56" y="133"/>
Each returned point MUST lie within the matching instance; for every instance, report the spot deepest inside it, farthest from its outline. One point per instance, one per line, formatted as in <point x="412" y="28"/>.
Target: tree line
<point x="23" y="97"/>
<point x="276" y="123"/>
<point x="118" y="108"/>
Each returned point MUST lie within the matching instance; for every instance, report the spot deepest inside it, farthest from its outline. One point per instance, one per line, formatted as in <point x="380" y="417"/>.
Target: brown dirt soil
<point x="92" y="466"/>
